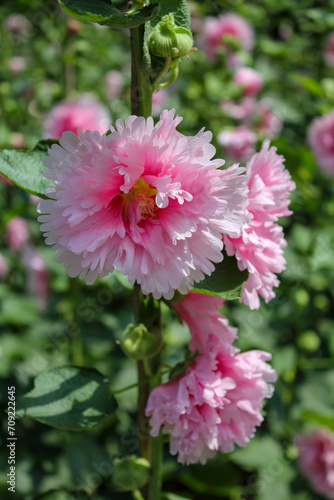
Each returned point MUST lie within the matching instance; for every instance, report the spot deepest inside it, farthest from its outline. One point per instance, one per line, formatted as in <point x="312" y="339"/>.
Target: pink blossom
<point x="17" y="24"/>
<point x="5" y="180"/>
<point x="214" y="405"/>
<point x="3" y="267"/>
<point x="17" y="64"/>
<point x="260" y="247"/>
<point x="159" y="100"/>
<point x="316" y="460"/>
<point x="266" y="120"/>
<point x="145" y="199"/>
<point x="114" y="84"/>
<point x="241" y="111"/>
<point x="329" y="50"/>
<point x="37" y="276"/>
<point x="215" y="29"/>
<point x="17" y="233"/>
<point x="85" y="114"/>
<point x="249" y="79"/>
<point x="238" y="143"/>
<point x="200" y="312"/>
<point x="321" y="139"/>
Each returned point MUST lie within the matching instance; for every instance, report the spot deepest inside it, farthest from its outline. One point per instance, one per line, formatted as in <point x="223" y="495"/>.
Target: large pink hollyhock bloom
<point x="17" y="233"/>
<point x="249" y="79"/>
<point x="329" y="50"/>
<point x="238" y="143"/>
<point x="214" y="405"/>
<point x="85" y="113"/>
<point x="321" y="140"/>
<point x="316" y="460"/>
<point x="200" y="312"/>
<point x="37" y="276"/>
<point x="216" y="28"/>
<point x="260" y="247"/>
<point x="144" y="199"/>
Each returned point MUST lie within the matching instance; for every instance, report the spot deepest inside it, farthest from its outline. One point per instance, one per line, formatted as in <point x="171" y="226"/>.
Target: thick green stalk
<point x="150" y="448"/>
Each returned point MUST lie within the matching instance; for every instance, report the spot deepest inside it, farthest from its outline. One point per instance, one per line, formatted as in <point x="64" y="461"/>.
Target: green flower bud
<point x="140" y="343"/>
<point x="169" y="40"/>
<point x="131" y="473"/>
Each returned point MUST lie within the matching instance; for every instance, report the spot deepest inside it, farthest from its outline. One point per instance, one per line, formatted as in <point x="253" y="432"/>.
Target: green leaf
<point x="56" y="495"/>
<point x="69" y="398"/>
<point x="103" y="12"/>
<point x="226" y="281"/>
<point x="323" y="420"/>
<point x="24" y="168"/>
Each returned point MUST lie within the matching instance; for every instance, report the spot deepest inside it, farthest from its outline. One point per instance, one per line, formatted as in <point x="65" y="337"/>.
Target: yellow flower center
<point x="144" y="197"/>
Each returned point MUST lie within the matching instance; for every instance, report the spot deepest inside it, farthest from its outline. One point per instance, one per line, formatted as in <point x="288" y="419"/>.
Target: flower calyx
<point x="169" y="40"/>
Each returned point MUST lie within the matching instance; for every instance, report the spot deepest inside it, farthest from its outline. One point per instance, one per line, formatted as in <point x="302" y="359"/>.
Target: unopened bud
<point x="131" y="473"/>
<point x="140" y="343"/>
<point x="169" y="40"/>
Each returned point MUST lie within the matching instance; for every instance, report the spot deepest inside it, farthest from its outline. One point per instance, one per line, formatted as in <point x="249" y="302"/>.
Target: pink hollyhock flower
<point x="17" y="23"/>
<point x="159" y="100"/>
<point x="329" y="50"/>
<point x="114" y="84"/>
<point x="260" y="247"/>
<point x="17" y="233"/>
<point x="3" y="267"/>
<point x="16" y="64"/>
<point x="37" y="276"/>
<point x="145" y="199"/>
<point x="85" y="114"/>
<point x="5" y="180"/>
<point x="238" y="143"/>
<point x="214" y="405"/>
<point x="249" y="79"/>
<point x="266" y="120"/>
<point x="227" y="25"/>
<point x="316" y="460"/>
<point x="242" y="111"/>
<point x="200" y="312"/>
<point x="321" y="140"/>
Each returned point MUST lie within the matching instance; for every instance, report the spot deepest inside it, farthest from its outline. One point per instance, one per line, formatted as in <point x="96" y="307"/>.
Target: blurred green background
<point x="81" y="324"/>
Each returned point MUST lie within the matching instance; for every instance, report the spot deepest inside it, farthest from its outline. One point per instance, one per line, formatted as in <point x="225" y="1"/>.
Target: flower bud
<point x="131" y="473"/>
<point x="169" y="40"/>
<point x="140" y="343"/>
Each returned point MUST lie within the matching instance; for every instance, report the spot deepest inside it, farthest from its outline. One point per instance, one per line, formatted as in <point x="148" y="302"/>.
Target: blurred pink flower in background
<point x="216" y="403"/>
<point x="242" y="110"/>
<point x="329" y="50"/>
<point x="321" y="140"/>
<point x="3" y="267"/>
<point x="238" y="143"/>
<point x="17" y="64"/>
<point x="316" y="460"/>
<point x="249" y="79"/>
<point x="159" y="101"/>
<point x="200" y="312"/>
<point x="260" y="247"/>
<point x="5" y="180"/>
<point x="17" y="23"/>
<point x="86" y="113"/>
<point x="37" y="276"/>
<point x="266" y="120"/>
<point x="114" y="81"/>
<point x="216" y="28"/>
<point x="146" y="200"/>
<point x="17" y="233"/>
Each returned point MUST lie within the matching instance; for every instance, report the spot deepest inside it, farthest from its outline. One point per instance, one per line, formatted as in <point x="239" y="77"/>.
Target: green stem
<point x="163" y="72"/>
<point x="141" y="88"/>
<point x="141" y="105"/>
<point x="137" y="495"/>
